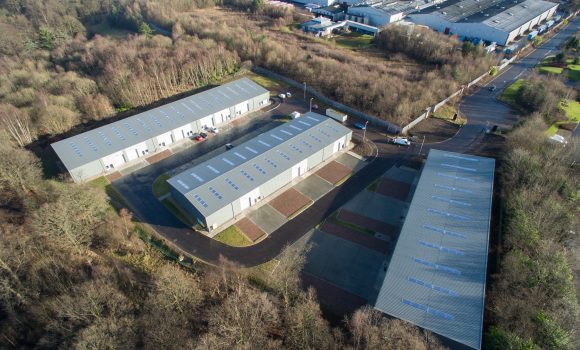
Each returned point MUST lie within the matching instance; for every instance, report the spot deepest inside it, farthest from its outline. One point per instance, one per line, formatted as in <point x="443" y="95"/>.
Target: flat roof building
<point x="221" y="188"/>
<point x="113" y="146"/>
<point x="500" y="21"/>
<point x="436" y="277"/>
<point x="381" y="13"/>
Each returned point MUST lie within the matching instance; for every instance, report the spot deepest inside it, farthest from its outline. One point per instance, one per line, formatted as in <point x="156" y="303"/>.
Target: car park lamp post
<point x="365" y="131"/>
<point x="312" y="98"/>
<point x="304" y="90"/>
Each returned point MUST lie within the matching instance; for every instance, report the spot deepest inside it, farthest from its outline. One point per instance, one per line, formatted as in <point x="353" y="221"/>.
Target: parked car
<point x="492" y="88"/>
<point x="288" y="94"/>
<point x="401" y="141"/>
<point x="229" y="146"/>
<point x="360" y="126"/>
<point x="203" y="134"/>
<point x="282" y="96"/>
<point x="314" y="106"/>
<point x="198" y="137"/>
<point x="213" y="130"/>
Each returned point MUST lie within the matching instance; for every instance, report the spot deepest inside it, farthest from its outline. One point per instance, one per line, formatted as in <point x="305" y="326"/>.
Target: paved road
<point x="481" y="107"/>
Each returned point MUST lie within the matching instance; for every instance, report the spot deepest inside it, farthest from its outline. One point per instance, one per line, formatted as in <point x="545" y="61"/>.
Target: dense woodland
<point x="77" y="272"/>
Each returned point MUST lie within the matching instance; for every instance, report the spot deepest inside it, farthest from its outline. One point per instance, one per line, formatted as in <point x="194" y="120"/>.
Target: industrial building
<point x="381" y="13"/>
<point x="499" y="21"/>
<point x="437" y="274"/>
<point x="220" y="189"/>
<point x="113" y="146"/>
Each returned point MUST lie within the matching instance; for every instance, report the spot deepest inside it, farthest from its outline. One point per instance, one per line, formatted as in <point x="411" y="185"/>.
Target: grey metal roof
<point x="97" y="143"/>
<point x="219" y="181"/>
<point x="436" y="276"/>
<point x="509" y="14"/>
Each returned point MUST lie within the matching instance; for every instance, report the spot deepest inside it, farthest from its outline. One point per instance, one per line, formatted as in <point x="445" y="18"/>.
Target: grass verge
<point x="572" y="110"/>
<point x="354" y="41"/>
<point x="273" y="85"/>
<point x="160" y="186"/>
<point x="233" y="236"/>
<point x="574" y="72"/>
<point x="334" y="218"/>
<point x="551" y="70"/>
<point x="509" y="94"/>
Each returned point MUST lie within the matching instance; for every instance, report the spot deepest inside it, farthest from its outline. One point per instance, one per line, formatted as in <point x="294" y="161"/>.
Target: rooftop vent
<point x="511" y="14"/>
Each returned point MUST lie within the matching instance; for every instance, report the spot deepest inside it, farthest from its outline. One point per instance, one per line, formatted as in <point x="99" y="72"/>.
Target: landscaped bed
<point x="233" y="236"/>
<point x="160" y="186"/>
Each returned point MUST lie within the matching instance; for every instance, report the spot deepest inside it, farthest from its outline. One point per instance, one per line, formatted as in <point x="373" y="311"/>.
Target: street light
<point x="304" y="90"/>
<point x="312" y="98"/>
<point x="365" y="131"/>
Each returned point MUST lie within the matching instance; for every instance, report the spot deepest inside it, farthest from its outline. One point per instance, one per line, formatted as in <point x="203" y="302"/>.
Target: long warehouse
<point x="437" y="274"/>
<point x="113" y="146"/>
<point x="221" y="188"/>
<point x="500" y="21"/>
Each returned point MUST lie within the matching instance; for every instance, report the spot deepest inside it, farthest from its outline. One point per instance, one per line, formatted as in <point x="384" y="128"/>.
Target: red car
<point x="198" y="137"/>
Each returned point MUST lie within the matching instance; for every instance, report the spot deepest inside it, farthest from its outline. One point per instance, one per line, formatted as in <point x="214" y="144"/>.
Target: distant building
<point x="322" y="3"/>
<point x="335" y="12"/>
<point x="320" y="26"/>
<point x="116" y="145"/>
<point x="437" y="274"/>
<point x="223" y="187"/>
<point x="381" y="13"/>
<point x="500" y="21"/>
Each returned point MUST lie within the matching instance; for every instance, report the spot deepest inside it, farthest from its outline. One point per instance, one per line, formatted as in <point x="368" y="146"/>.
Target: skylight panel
<point x="228" y="161"/>
<point x="259" y="168"/>
<point x="437" y="266"/>
<point x="264" y="143"/>
<point x="286" y="132"/>
<point x="447" y="214"/>
<point x="444" y="232"/>
<point x="295" y="128"/>
<point x="271" y="162"/>
<point x="276" y="137"/>
<point x="312" y="118"/>
<point x="116" y="131"/>
<point x="251" y="150"/>
<point x="240" y="155"/>
<point x="432" y="286"/>
<point x="248" y="176"/>
<point x="304" y="123"/>
<point x="231" y="183"/>
<point x="143" y="124"/>
<point x="90" y="143"/>
<point x="451" y="201"/>
<point x="461" y="157"/>
<point x="183" y="184"/>
<point x="197" y="177"/>
<point x="131" y="129"/>
<point x="458" y="167"/>
<point x="451" y="188"/>
<point x="105" y="138"/>
<point x="75" y="148"/>
<point x="428" y="309"/>
<point x="466" y="179"/>
<point x="441" y="248"/>
<point x="212" y="169"/>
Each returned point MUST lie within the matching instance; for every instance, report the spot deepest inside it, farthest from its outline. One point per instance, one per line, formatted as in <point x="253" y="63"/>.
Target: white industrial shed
<point x="436" y="277"/>
<point x="499" y="21"/>
<point x="113" y="146"/>
<point x="221" y="188"/>
<point x="383" y="12"/>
